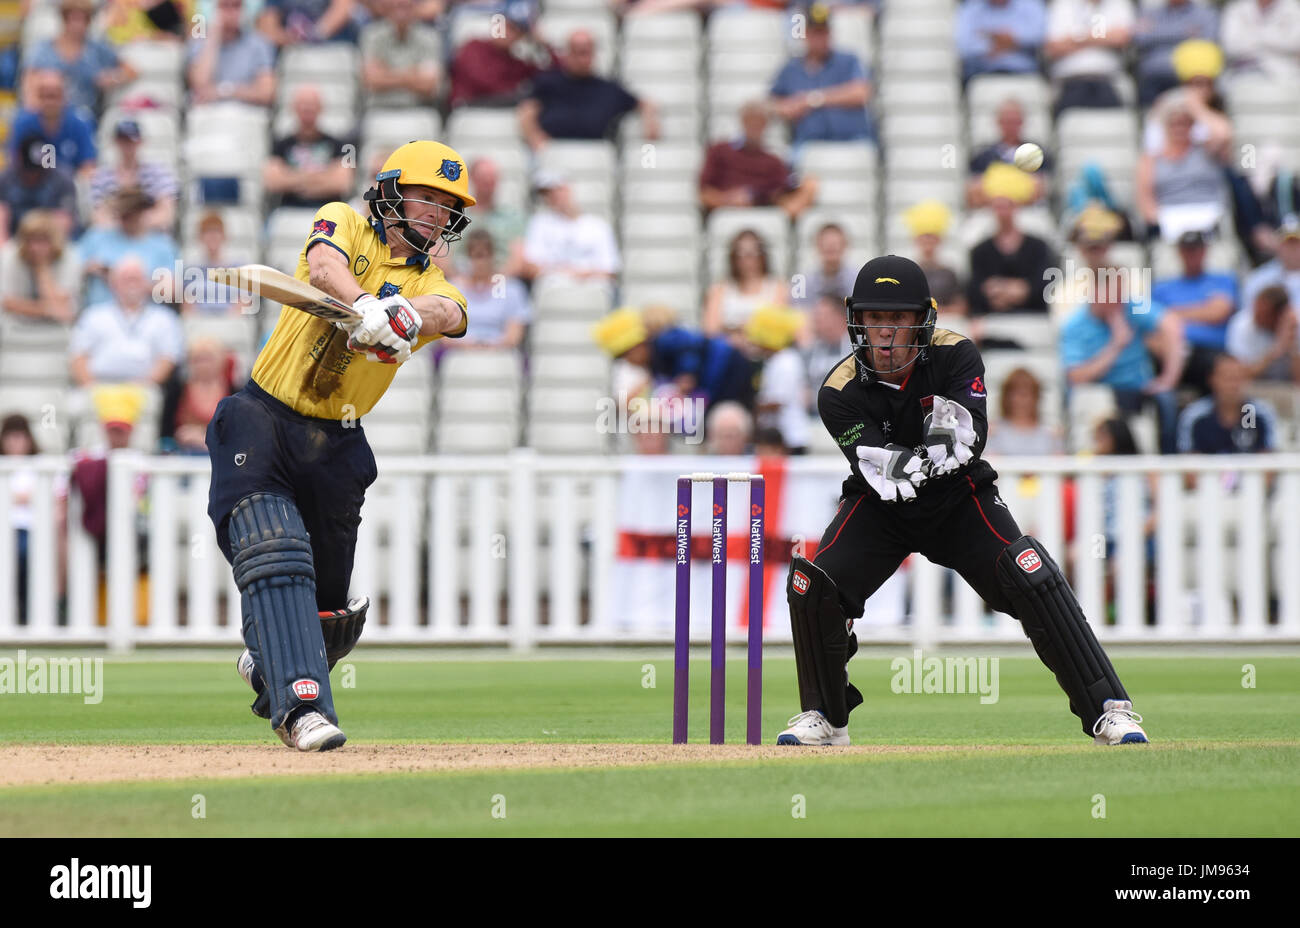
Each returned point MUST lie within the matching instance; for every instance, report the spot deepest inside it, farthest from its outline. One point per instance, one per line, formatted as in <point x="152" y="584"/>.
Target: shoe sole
<point x="791" y="739"/>
<point x="1132" y="737"/>
<point x="329" y="744"/>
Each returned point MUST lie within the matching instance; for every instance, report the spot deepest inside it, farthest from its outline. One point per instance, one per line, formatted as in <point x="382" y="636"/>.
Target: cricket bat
<point x="263" y="281"/>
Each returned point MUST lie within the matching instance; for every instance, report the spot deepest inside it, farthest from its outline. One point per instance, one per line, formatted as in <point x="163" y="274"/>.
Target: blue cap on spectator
<point x="519" y="12"/>
<point x="128" y="129"/>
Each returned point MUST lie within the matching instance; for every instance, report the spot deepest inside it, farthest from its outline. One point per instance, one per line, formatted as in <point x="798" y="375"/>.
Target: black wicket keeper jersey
<point x="860" y="410"/>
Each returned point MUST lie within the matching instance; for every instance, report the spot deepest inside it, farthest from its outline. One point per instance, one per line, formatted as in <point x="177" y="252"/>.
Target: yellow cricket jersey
<point x="306" y="363"/>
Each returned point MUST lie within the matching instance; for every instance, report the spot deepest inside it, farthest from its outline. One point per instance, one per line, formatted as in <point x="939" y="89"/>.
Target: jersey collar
<point x="421" y="261"/>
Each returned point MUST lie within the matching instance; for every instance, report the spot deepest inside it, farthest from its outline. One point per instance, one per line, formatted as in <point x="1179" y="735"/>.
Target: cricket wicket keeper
<point x="908" y="409"/>
<point x="290" y="462"/>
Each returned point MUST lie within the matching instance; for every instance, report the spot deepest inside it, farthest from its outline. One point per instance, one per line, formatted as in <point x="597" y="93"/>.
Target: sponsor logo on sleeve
<point x="977" y="388"/>
<point x="323" y="227"/>
<point x="850" y="435"/>
<point x="799" y="582"/>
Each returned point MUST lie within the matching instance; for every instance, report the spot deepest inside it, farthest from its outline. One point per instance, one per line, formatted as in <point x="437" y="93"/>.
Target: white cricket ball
<point x="1028" y="157"/>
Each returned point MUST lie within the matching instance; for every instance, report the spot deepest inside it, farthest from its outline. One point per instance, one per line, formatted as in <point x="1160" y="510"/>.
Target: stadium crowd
<point x="687" y="187"/>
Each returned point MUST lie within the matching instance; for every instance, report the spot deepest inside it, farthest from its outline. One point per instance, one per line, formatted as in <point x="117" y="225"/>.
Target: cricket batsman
<point x="290" y="462"/>
<point x="907" y="407"/>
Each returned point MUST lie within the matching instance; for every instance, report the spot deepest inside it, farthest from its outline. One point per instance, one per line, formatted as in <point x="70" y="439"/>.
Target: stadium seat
<point x="561" y="302"/>
<point x="1086" y="405"/>
<point x="483" y="126"/>
<point x="662" y="229"/>
<point x="323" y="61"/>
<point x="556" y="368"/>
<point x="478" y="402"/>
<point x="397" y="126"/>
<point x="739" y="28"/>
<point x="679" y="29"/>
<point x="484" y="437"/>
<point x="386" y="437"/>
<point x="564" y="437"/>
<point x="492" y="367"/>
<point x="651" y="63"/>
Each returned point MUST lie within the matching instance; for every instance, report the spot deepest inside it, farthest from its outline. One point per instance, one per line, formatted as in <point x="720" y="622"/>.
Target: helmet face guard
<point x="865" y="338"/>
<point x="388" y="205"/>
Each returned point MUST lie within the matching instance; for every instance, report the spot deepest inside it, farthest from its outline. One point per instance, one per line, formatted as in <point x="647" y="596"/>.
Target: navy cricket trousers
<point x="259" y="445"/>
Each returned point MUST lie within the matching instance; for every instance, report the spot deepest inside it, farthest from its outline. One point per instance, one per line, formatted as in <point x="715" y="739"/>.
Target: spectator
<point x="231" y="62"/>
<point x="1157" y="32"/>
<point x="1019" y="428"/>
<point x="215" y="299"/>
<point x="497" y="303"/>
<point x="1085" y="44"/>
<point x="495" y="71"/>
<point x="33" y="181"/>
<point x="562" y="244"/>
<point x="749" y="285"/>
<point x="744" y="173"/>
<point x="16" y="440"/>
<point x="695" y="365"/>
<point x="928" y="223"/>
<point x="728" y="428"/>
<point x="128" y="337"/>
<point x="191" y="396"/>
<point x="1264" y="335"/>
<point x="783" y="394"/>
<point x="50" y="117"/>
<point x="832" y="272"/>
<point x="1106" y="340"/>
<point x="400" y="58"/>
<point x="768" y="443"/>
<point x="90" y="67"/>
<point x="1011" y="135"/>
<point x="1203" y="302"/>
<point x="40" y="274"/>
<point x="1113" y="437"/>
<point x="1008" y="270"/>
<point x="999" y="36"/>
<point x="829" y="343"/>
<point x="1182" y="187"/>
<point x="307" y="169"/>
<point x="131" y="171"/>
<point x="103" y="247"/>
<point x="505" y="223"/>
<point x="571" y="101"/>
<point x="292" y="22"/>
<point x="1228" y="421"/>
<point x="824" y="94"/>
<point x="118" y="408"/>
<point x="126" y="21"/>
<point x="1263" y="36"/>
<point x="1197" y="64"/>
<point x="1284" y="269"/>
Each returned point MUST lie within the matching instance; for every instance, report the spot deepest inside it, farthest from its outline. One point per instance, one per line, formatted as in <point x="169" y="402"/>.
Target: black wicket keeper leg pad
<point x="342" y="628"/>
<point x="273" y="570"/>
<point x="822" y="643"/>
<point x="1050" y="614"/>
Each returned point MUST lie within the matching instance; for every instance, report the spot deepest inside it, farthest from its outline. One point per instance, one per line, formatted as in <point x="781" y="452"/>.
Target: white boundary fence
<point x="520" y="550"/>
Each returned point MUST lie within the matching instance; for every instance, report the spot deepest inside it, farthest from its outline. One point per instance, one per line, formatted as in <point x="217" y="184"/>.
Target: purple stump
<point x="682" y="623"/>
<point x="754" y="693"/>
<point x="718" y="641"/>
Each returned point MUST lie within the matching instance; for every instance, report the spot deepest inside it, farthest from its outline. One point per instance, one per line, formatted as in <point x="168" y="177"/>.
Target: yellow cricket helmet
<point x="425" y="164"/>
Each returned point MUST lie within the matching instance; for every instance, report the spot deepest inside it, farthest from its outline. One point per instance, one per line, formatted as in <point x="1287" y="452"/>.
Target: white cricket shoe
<point x="245" y="666"/>
<point x="812" y="728"/>
<point x="311" y="731"/>
<point x="1118" y="724"/>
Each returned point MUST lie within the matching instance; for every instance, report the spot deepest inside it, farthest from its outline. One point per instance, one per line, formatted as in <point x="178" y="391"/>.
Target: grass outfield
<point x="1226" y="759"/>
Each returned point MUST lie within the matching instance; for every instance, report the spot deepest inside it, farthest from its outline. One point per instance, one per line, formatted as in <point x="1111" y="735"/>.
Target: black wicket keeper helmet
<point x="891" y="283"/>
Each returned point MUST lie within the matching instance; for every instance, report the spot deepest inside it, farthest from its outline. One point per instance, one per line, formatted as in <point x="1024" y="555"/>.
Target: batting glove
<point x="949" y="436"/>
<point x="893" y="471"/>
<point x="389" y="328"/>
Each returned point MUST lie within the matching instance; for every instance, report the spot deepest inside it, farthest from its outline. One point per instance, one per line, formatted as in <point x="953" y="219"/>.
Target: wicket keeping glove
<point x="949" y="436"/>
<point x="893" y="471"/>
<point x="388" y="330"/>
